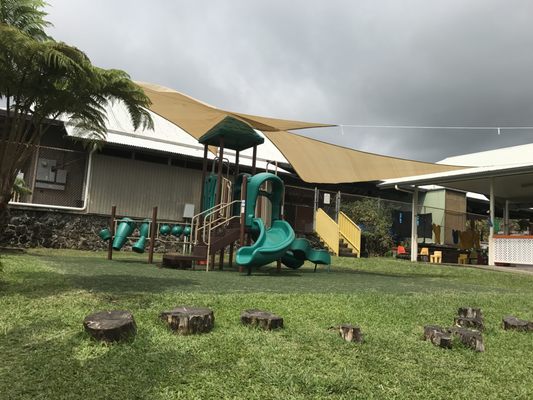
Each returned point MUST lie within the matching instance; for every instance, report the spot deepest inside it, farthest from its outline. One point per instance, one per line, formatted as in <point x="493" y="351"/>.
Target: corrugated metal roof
<point x="168" y="137"/>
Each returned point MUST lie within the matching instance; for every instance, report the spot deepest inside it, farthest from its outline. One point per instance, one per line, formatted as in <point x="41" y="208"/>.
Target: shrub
<point x="375" y="220"/>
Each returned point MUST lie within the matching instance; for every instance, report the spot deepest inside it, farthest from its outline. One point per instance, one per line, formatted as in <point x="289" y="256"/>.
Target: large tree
<point x="42" y="80"/>
<point x="25" y="15"/>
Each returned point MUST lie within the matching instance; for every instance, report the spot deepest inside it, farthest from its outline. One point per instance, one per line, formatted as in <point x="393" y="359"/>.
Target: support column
<point x="153" y="233"/>
<point x="337" y="206"/>
<point x="254" y="159"/>
<point x="236" y="164"/>
<point x="491" y="228"/>
<point x="112" y="226"/>
<point x="506" y="218"/>
<point x="414" y="230"/>
<point x="315" y="208"/>
<point x="204" y="173"/>
<point x="220" y="167"/>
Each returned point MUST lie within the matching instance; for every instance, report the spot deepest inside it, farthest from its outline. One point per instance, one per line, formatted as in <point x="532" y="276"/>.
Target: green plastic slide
<point x="270" y="245"/>
<point x="301" y="250"/>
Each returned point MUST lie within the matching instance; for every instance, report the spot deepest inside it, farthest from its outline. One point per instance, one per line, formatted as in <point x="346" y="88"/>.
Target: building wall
<point x="455" y="206"/>
<point x="135" y="187"/>
<point x="434" y="203"/>
<point x="70" y="192"/>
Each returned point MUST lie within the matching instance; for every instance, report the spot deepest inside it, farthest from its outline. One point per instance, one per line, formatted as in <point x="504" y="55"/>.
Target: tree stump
<point x="438" y="336"/>
<point x="469" y="338"/>
<point x="443" y="337"/>
<point x="262" y="319"/>
<point x="469" y="317"/>
<point x="474" y="323"/>
<point x="186" y="320"/>
<point x="350" y="333"/>
<point x="469" y="312"/>
<point x="511" y="322"/>
<point x="110" y="326"/>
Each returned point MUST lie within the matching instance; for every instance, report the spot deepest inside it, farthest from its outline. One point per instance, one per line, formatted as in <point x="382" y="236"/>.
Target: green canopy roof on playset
<point x="237" y="135"/>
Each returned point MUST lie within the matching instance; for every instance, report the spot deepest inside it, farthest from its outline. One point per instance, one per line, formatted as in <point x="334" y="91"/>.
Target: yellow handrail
<point x="328" y="230"/>
<point x="350" y="232"/>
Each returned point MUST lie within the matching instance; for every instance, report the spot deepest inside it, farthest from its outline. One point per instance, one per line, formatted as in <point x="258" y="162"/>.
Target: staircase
<point x="343" y="239"/>
<point x="345" y="250"/>
<point x="220" y="239"/>
<point x="213" y="230"/>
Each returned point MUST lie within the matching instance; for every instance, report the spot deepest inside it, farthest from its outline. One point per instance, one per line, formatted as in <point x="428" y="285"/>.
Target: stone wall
<point x="59" y="230"/>
<point x="54" y="229"/>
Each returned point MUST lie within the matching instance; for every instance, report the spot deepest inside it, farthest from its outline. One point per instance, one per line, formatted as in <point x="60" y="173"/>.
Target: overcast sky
<point x="358" y="62"/>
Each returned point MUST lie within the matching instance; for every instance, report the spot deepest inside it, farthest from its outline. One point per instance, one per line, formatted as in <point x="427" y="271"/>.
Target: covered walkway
<point x="505" y="185"/>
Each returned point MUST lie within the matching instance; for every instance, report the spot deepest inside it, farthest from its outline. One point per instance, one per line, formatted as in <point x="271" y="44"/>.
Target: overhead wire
<point x="488" y="129"/>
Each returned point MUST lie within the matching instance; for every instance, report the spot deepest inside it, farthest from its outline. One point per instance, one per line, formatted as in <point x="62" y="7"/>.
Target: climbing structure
<point x="231" y="210"/>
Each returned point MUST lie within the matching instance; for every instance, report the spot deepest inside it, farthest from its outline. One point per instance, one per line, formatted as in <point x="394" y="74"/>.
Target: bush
<point x="375" y="220"/>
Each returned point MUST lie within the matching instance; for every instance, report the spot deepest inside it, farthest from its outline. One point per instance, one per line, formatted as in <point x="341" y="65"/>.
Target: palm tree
<point x="40" y="80"/>
<point x="26" y="15"/>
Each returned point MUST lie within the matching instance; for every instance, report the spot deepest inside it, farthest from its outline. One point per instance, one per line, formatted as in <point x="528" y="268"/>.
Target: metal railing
<point x="216" y="217"/>
<point x="206" y="222"/>
<point x="328" y="230"/>
<point x="350" y="232"/>
<point x="223" y="209"/>
<point x="212" y="227"/>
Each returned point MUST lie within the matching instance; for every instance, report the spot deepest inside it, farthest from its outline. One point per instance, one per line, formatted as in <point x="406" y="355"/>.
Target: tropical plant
<point x="375" y="220"/>
<point x="25" y="15"/>
<point x="20" y="188"/>
<point x="42" y="80"/>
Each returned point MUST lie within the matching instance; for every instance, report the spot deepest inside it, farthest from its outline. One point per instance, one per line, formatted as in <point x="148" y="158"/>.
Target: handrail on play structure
<point x="216" y="217"/>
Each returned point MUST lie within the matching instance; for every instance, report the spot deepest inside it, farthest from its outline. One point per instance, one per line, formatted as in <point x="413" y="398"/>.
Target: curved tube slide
<point x="270" y="246"/>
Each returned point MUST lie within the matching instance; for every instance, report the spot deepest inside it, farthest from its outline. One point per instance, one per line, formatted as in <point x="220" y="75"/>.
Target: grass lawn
<point x="45" y="354"/>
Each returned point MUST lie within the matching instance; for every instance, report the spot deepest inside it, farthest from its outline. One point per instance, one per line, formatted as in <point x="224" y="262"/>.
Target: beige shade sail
<point x="197" y="117"/>
<point x="320" y="162"/>
<point x="313" y="160"/>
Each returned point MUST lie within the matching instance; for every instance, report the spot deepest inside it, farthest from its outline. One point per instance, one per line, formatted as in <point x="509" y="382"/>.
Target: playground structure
<point x="237" y="210"/>
<point x="241" y="209"/>
<point x="121" y="230"/>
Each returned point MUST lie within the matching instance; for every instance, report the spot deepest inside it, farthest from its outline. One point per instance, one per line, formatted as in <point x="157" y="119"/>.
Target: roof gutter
<point x="399" y="189"/>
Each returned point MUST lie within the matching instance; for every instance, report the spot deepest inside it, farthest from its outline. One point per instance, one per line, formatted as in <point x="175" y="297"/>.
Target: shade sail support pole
<point x="491" y="226"/>
<point x="414" y="233"/>
<point x="204" y="173"/>
<point x="220" y="167"/>
<point x="506" y="218"/>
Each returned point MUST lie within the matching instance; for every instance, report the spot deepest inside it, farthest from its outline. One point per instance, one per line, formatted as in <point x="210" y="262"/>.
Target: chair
<point x="424" y="254"/>
<point x="463" y="258"/>
<point x="402" y="253"/>
<point x="436" y="257"/>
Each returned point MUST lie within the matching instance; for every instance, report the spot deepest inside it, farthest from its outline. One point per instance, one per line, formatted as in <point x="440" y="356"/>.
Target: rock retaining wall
<point x="57" y="229"/>
<point x="54" y="229"/>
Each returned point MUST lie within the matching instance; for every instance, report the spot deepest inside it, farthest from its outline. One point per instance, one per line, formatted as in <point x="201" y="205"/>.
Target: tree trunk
<point x="4" y="210"/>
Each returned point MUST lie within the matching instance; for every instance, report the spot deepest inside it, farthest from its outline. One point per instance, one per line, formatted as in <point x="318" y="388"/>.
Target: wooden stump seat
<point x="110" y="326"/>
<point x="262" y="319"/>
<point x="188" y="320"/>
